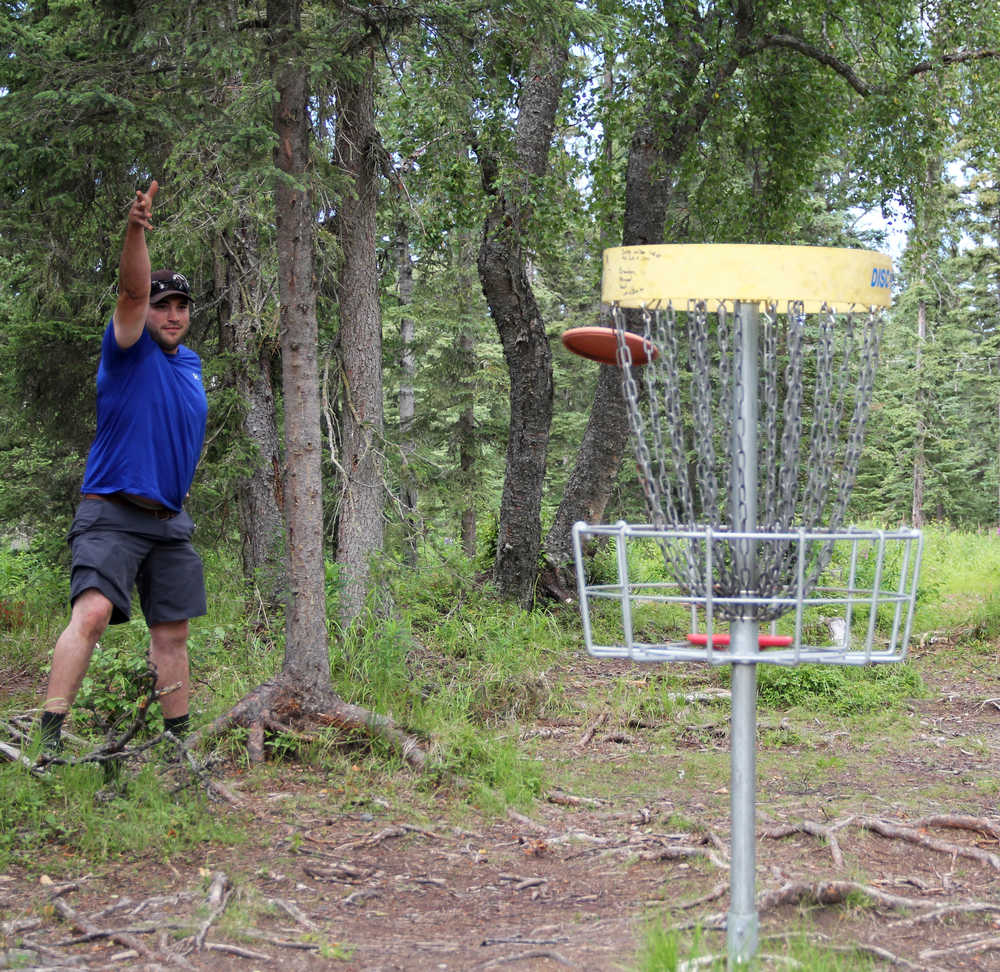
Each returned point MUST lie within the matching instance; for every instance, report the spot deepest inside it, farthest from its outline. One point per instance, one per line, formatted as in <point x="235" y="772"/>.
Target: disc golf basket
<point x="747" y="420"/>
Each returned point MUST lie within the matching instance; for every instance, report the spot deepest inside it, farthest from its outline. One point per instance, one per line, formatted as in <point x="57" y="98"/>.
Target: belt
<point x="160" y="512"/>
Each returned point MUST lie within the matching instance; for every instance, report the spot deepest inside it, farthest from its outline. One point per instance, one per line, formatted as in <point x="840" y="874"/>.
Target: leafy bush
<point x="838" y="689"/>
<point x="118" y="678"/>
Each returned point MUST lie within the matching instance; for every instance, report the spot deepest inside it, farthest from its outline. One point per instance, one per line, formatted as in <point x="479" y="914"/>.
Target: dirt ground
<point x="883" y="841"/>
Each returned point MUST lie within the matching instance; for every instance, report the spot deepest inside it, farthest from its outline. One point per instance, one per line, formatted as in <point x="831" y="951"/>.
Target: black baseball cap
<point x="167" y="283"/>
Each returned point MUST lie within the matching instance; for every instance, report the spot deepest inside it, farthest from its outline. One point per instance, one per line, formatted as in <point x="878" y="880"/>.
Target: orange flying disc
<point x="601" y="344"/>
<point x="722" y="640"/>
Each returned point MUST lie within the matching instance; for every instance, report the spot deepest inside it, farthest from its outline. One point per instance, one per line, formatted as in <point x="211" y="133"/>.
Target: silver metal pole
<point x="742" y="922"/>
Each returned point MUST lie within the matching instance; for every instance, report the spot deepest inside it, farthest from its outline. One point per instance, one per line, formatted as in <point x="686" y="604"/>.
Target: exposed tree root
<point x="831" y="893"/>
<point x="975" y="947"/>
<point x="826" y="833"/>
<point x="280" y="705"/>
<point x="958" y="821"/>
<point x="838" y="892"/>
<point x="932" y="843"/>
<point x="914" y="834"/>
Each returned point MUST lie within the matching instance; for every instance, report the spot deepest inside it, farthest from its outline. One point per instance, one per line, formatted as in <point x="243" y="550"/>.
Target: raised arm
<point x="134" y="271"/>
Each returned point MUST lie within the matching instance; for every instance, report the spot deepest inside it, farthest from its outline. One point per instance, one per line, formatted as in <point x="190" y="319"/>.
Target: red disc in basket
<point x="722" y="640"/>
<point x="601" y="344"/>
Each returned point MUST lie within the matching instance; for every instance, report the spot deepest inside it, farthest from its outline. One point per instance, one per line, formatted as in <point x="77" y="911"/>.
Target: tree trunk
<point x="656" y="148"/>
<point x="301" y="695"/>
<point x="503" y="273"/>
<point x="466" y="434"/>
<point x="246" y="336"/>
<point x="920" y="431"/>
<point x="407" y="399"/>
<point x="306" y="660"/>
<point x="589" y="487"/>
<point x="361" y="525"/>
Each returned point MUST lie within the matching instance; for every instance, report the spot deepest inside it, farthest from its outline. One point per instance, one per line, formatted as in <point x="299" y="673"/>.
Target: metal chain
<point x="691" y="467"/>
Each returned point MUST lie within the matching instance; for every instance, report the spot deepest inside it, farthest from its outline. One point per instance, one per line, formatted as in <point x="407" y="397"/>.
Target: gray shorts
<point x="116" y="548"/>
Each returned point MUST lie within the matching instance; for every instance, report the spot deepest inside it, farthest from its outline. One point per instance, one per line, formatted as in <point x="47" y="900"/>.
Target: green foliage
<point x="118" y="678"/>
<point x="457" y="666"/>
<point x="61" y="809"/>
<point x="661" y="950"/>
<point x="986" y="620"/>
<point x="838" y="689"/>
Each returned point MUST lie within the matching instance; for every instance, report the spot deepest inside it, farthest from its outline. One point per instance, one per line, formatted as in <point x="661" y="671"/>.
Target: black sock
<point x="178" y="725"/>
<point x="51" y="731"/>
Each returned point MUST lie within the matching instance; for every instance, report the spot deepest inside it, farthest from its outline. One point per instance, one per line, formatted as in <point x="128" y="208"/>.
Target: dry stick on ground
<point x="259" y="936"/>
<point x="200" y="773"/>
<point x="236" y="950"/>
<point x="14" y="755"/>
<point x="588" y="734"/>
<point x="27" y="723"/>
<point x="219" y="893"/>
<point x="528" y="823"/>
<point x="123" y="938"/>
<point x="568" y="800"/>
<point x="717" y="892"/>
<point x="294" y="911"/>
<point x="678" y="852"/>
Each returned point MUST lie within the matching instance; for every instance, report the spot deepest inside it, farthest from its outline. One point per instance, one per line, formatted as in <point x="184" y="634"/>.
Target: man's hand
<point x="141" y="212"/>
<point x="133" y="270"/>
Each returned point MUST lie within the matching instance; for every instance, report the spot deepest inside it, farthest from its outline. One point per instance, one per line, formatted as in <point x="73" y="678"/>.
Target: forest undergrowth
<point x="518" y="720"/>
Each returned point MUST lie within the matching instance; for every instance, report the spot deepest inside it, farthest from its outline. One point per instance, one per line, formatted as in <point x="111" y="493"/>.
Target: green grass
<point x="666" y="950"/>
<point x="72" y="808"/>
<point x="958" y="573"/>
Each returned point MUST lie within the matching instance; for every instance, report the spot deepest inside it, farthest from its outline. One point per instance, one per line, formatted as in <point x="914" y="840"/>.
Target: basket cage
<point x="858" y="611"/>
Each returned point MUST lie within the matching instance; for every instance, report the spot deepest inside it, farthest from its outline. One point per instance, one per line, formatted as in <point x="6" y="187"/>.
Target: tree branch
<point x="803" y="47"/>
<point x="864" y="88"/>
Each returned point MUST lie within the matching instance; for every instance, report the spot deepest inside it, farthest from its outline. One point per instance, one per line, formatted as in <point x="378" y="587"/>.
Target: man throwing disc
<point x="130" y="530"/>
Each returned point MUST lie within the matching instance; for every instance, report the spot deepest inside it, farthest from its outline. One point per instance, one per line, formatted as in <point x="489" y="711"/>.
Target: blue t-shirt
<point x="151" y="412"/>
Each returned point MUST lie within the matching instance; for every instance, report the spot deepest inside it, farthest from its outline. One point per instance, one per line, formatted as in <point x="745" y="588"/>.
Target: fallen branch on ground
<point x="589" y="732"/>
<point x="219" y="893"/>
<point x="976" y="947"/>
<point x="568" y="800"/>
<point x="236" y="950"/>
<point x="123" y="938"/>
